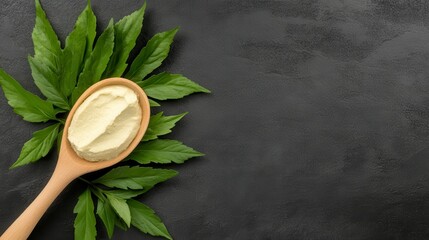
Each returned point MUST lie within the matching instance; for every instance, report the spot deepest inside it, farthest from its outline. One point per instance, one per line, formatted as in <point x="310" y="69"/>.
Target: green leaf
<point x="126" y="32"/>
<point x="151" y="56"/>
<point x="97" y="62"/>
<point x="160" y="125"/>
<point x="170" y="86"/>
<point x="163" y="151"/>
<point x="38" y="146"/>
<point x="76" y="45"/>
<point x="145" y="219"/>
<point x="47" y="81"/>
<point x="31" y="107"/>
<point x="121" y="208"/>
<point x="84" y="224"/>
<point x="91" y="33"/>
<point x="107" y="215"/>
<point x="120" y="224"/>
<point x="46" y="65"/>
<point x="98" y="192"/>
<point x="152" y="103"/>
<point x="125" y="194"/>
<point x="135" y="177"/>
<point x="47" y="48"/>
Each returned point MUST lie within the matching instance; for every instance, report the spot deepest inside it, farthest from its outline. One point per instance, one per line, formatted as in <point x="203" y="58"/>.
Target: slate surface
<point x="317" y="127"/>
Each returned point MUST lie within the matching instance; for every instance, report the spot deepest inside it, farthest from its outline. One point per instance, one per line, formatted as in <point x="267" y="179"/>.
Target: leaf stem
<point x="86" y="181"/>
<point x="62" y="121"/>
<point x="94" y="189"/>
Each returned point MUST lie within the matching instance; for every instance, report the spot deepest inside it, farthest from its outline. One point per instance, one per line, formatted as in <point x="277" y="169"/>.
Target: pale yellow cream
<point x="105" y="123"/>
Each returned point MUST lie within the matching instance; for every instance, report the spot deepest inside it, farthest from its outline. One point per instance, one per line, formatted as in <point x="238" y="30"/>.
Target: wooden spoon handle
<point x="25" y="223"/>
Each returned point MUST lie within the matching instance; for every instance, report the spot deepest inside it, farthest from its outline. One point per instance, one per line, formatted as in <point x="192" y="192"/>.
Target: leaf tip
<point x="111" y="22"/>
<point x="88" y="5"/>
<point x="199" y="154"/>
<point x="17" y="163"/>
<point x="174" y="173"/>
<point x="205" y="90"/>
<point x="153" y="103"/>
<point x="143" y="8"/>
<point x="13" y="166"/>
<point x="175" y="30"/>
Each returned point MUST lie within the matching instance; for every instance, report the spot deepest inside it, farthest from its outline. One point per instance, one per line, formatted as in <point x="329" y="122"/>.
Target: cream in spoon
<point x="105" y="123"/>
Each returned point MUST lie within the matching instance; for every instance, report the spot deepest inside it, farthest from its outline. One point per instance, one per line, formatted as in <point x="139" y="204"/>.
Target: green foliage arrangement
<point x="63" y="74"/>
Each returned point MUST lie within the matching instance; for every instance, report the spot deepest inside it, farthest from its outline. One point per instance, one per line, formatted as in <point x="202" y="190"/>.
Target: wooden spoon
<point x="70" y="165"/>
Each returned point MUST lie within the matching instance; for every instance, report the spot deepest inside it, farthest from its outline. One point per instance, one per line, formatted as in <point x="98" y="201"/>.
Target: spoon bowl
<point x="71" y="166"/>
<point x="81" y="166"/>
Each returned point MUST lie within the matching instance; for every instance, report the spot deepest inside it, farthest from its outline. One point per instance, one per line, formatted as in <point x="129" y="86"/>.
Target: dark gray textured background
<point x="317" y="127"/>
